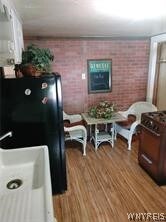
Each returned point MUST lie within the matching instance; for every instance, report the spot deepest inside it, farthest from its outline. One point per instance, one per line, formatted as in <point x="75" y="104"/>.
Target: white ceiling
<point x="81" y="18"/>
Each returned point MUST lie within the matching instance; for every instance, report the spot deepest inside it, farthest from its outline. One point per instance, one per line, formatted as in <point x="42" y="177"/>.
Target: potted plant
<point x="36" y="59"/>
<point x="102" y="110"/>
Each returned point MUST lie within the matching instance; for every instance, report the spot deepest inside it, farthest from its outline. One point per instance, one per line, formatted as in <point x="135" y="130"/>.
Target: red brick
<point x="129" y="69"/>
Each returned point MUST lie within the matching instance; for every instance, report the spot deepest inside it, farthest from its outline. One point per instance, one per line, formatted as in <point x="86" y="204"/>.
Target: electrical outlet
<point x="83" y="76"/>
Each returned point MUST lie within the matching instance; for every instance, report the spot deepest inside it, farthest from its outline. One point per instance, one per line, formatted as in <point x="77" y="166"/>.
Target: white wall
<point x="152" y="64"/>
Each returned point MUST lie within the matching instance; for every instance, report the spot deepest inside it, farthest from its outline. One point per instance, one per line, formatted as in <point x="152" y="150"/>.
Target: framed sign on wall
<point x="99" y="75"/>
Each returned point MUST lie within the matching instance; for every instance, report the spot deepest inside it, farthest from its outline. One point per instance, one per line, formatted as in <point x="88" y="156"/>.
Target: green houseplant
<point x="103" y="109"/>
<point x="40" y="58"/>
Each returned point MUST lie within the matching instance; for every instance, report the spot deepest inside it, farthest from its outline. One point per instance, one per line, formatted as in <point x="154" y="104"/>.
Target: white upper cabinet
<point x="11" y="36"/>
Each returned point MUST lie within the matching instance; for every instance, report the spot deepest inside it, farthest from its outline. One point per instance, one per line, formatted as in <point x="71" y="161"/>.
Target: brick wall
<point x="129" y="70"/>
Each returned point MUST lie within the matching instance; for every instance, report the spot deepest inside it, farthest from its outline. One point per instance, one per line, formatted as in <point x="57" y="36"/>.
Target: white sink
<point x="25" y="185"/>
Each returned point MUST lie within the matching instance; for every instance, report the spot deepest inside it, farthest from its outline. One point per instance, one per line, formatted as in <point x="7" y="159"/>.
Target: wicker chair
<point x="135" y="109"/>
<point x="77" y="132"/>
<point x="73" y="118"/>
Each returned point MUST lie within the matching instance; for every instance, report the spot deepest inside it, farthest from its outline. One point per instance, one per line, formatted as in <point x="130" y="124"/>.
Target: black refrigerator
<point x="31" y="107"/>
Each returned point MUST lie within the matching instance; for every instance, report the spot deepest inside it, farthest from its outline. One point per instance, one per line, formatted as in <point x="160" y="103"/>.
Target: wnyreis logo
<point x="146" y="217"/>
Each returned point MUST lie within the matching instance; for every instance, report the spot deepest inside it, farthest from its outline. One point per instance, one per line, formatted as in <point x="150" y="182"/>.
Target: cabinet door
<point x="150" y="144"/>
<point x="18" y="38"/>
<point x="6" y="35"/>
<point x="11" y="38"/>
<point x="149" y="152"/>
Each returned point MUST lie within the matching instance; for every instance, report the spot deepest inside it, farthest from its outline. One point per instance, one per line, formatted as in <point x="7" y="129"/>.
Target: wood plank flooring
<point x="106" y="185"/>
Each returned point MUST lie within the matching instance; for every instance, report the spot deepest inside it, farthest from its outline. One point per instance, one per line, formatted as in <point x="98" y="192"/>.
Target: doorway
<point x="159" y="98"/>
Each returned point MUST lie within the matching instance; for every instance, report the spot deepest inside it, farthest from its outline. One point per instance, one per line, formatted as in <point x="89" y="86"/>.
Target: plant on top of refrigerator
<point x="39" y="58"/>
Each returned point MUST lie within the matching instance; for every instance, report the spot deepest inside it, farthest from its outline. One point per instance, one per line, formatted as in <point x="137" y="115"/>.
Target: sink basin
<point x="25" y="185"/>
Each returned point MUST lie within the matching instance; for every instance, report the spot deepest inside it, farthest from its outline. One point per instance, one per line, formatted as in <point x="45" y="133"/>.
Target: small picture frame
<point x="99" y="75"/>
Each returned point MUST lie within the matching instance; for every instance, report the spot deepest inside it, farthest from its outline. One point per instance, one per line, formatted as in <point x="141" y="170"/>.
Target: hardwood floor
<point x="106" y="185"/>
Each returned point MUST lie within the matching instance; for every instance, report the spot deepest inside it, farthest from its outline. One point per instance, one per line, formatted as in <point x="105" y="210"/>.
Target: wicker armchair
<point x="73" y="118"/>
<point x="77" y="132"/>
<point x="136" y="110"/>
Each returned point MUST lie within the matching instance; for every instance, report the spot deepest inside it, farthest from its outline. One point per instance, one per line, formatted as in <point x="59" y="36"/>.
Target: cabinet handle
<point x="146" y="158"/>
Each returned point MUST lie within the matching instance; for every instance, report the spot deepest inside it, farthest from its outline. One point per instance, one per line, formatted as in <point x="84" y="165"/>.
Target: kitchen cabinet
<point x="11" y="35"/>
